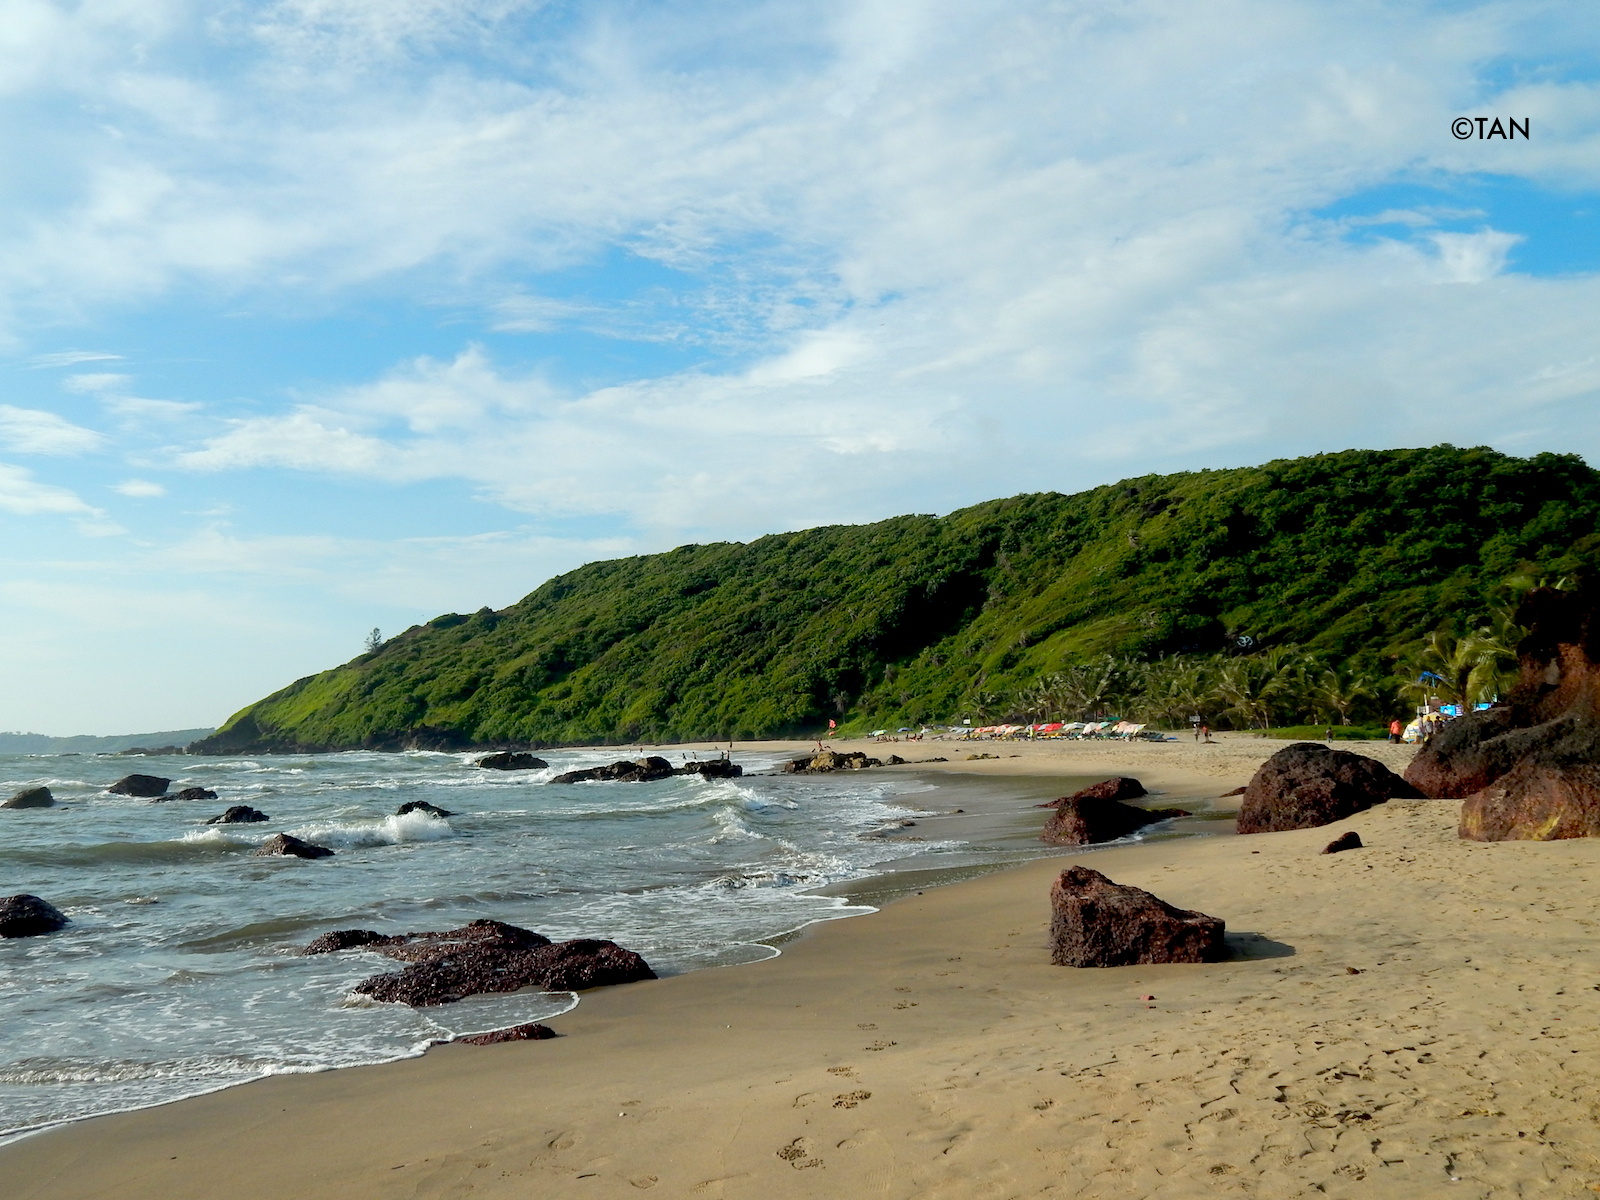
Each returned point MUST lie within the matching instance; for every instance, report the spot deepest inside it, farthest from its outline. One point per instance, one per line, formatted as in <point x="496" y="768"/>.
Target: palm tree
<point x="1454" y="669"/>
<point x="1341" y="688"/>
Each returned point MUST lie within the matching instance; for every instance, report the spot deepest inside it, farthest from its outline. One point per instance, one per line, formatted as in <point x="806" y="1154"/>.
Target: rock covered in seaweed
<point x="28" y="916"/>
<point x="1097" y="923"/>
<point x="34" y="797"/>
<point x="286" y="845"/>
<point x="1308" y="784"/>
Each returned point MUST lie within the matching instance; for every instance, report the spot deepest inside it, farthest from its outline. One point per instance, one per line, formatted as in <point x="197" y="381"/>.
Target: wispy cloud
<point x="22" y="495"/>
<point x="33" y="431"/>
<point x="71" y="358"/>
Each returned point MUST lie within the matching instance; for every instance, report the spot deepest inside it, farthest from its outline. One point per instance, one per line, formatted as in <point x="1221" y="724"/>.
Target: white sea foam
<point x="414" y="826"/>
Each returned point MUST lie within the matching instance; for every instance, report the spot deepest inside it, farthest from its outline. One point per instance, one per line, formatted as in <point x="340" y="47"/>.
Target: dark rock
<point x="193" y="793"/>
<point x="423" y="806"/>
<point x="1081" y="822"/>
<point x="346" y="939"/>
<point x="894" y="760"/>
<point x="928" y="760"/>
<point x="488" y="956"/>
<point x="29" y="916"/>
<point x="287" y="845"/>
<point x="240" y="814"/>
<point x="145" y="786"/>
<point x="830" y="760"/>
<point x="1535" y="802"/>
<point x="1238" y="791"/>
<point x="150" y="750"/>
<point x="1350" y="840"/>
<point x="1098" y="923"/>
<point x="640" y="770"/>
<point x="1309" y="784"/>
<point x="34" y="797"/>
<point x="1119" y="788"/>
<point x="531" y="1032"/>
<point x="1527" y="768"/>
<point x="512" y="760"/>
<point x="712" y="768"/>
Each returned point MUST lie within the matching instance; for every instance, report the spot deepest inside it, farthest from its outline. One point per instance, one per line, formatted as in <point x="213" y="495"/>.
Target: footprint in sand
<point x="851" y="1099"/>
<point x="798" y="1154"/>
<point x="849" y="1072"/>
<point x="880" y="1045"/>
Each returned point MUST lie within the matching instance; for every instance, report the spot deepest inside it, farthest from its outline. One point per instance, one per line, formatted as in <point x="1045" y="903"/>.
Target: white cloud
<point x="142" y="489"/>
<point x="71" y="358"/>
<point x="1474" y="257"/>
<point x="307" y="439"/>
<point x="95" y="382"/>
<point x="25" y="496"/>
<point x="33" y="431"/>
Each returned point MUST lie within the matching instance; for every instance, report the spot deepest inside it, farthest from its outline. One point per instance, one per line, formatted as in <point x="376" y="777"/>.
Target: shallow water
<point x="180" y="972"/>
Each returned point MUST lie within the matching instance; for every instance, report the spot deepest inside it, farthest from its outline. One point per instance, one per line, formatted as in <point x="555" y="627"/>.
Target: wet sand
<point x="1418" y="1018"/>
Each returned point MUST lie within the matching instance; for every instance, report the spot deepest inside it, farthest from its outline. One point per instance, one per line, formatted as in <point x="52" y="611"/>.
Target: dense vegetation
<point x="1345" y="562"/>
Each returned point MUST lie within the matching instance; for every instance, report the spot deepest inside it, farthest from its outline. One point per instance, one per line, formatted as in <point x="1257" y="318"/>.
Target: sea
<point x="181" y="974"/>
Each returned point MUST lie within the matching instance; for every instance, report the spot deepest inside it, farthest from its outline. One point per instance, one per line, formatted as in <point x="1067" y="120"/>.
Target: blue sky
<point x="320" y="315"/>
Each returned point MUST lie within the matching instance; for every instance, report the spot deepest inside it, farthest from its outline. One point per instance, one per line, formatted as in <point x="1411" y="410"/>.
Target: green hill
<point x="1356" y="555"/>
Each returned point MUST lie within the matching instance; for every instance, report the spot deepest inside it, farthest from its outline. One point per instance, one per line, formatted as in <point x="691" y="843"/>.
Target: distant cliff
<point x="83" y="743"/>
<point x="1357" y="554"/>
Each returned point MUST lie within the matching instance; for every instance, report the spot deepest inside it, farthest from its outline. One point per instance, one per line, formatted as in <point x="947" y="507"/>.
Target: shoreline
<point x="1405" y="1020"/>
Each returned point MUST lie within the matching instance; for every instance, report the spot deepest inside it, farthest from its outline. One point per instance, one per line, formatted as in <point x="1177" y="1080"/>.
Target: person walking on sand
<point x="1205" y="734"/>
<point x="1396" y="731"/>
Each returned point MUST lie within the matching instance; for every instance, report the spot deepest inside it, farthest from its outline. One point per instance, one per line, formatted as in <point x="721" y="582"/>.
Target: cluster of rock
<point x="28" y="916"/>
<point x="1529" y="769"/>
<point x="1097" y="923"/>
<point x="154" y="787"/>
<point x="481" y="957"/>
<point x="648" y="769"/>
<point x="1098" y="814"/>
<point x="830" y="760"/>
<point x="1309" y="784"/>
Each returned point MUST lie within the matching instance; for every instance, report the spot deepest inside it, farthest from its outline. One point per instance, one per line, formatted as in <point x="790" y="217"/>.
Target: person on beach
<point x="1204" y="734"/>
<point x="1396" y="731"/>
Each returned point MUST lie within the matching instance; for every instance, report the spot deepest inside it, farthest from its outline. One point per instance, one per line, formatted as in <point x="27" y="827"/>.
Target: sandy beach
<point x="1417" y="1018"/>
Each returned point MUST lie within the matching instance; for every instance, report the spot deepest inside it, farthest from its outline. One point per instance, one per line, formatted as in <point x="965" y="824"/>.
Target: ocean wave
<point x="414" y="826"/>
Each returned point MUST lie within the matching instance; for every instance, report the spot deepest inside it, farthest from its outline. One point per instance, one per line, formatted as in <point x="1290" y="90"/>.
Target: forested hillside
<point x="1351" y="558"/>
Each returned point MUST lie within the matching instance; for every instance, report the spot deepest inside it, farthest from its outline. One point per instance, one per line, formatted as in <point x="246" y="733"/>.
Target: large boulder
<point x="512" y="760"/>
<point x="147" y="787"/>
<point x="193" y="793"/>
<point x="712" y="768"/>
<point x="1535" y="802"/>
<point x="830" y="760"/>
<point x="1309" y="784"/>
<point x="286" y="845"/>
<point x="29" y="916"/>
<point x="1526" y="769"/>
<point x="34" y="797"/>
<point x="1097" y="923"/>
<point x="1081" y="822"/>
<point x="240" y="814"/>
<point x="483" y="957"/>
<point x="639" y="770"/>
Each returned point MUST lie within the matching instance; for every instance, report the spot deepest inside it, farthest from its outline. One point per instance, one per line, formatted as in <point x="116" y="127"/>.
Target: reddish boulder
<point x="1079" y="822"/>
<point x="29" y="916"/>
<point x="1098" y="923"/>
<point x="531" y="1032"/>
<point x="1309" y="784"/>
<point x="1345" y="841"/>
<point x="1535" y="802"/>
<point x="1120" y="788"/>
<point x="1527" y="767"/>
<point x="345" y="939"/>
